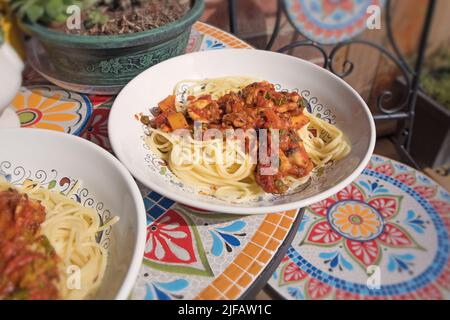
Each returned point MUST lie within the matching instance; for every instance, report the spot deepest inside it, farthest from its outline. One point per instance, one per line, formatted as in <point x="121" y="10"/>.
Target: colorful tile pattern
<point x="219" y="37"/>
<point x="386" y="236"/>
<point x="188" y="241"/>
<point x="49" y="107"/>
<point x="248" y="265"/>
<point x="329" y="21"/>
<point x="188" y="255"/>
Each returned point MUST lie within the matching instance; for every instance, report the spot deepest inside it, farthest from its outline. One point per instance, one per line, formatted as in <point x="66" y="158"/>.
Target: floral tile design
<point x="385" y="236"/>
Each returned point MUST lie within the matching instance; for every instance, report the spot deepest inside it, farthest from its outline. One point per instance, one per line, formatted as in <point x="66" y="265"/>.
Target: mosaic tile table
<point x="384" y="237"/>
<point x="189" y="255"/>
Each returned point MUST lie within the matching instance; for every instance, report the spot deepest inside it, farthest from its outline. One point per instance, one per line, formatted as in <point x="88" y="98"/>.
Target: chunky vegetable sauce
<point x="28" y="263"/>
<point x="257" y="106"/>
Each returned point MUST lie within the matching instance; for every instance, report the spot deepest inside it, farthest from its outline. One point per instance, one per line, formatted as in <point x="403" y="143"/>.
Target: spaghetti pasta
<point x="222" y="169"/>
<point x="323" y="142"/>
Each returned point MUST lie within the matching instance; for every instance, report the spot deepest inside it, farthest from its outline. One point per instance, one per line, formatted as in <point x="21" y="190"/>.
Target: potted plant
<point x="108" y="42"/>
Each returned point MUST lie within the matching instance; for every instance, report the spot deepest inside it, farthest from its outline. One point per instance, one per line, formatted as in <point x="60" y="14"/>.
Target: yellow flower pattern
<point x="52" y="108"/>
<point x="356" y="220"/>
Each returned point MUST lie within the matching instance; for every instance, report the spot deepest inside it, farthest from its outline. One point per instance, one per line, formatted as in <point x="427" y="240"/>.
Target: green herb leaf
<point x="52" y="184"/>
<point x="35" y="12"/>
<point x="54" y="8"/>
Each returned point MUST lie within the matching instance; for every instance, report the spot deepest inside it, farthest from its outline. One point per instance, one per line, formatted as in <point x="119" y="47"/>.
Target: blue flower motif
<point x="214" y="44"/>
<point x="336" y="260"/>
<point x="400" y="167"/>
<point x="275" y="275"/>
<point x="400" y="263"/>
<point x="374" y="187"/>
<point x="303" y="223"/>
<point x="165" y="290"/>
<point x="226" y="237"/>
<point x="377" y="159"/>
<point x="415" y="222"/>
<point x="424" y="179"/>
<point x="296" y="293"/>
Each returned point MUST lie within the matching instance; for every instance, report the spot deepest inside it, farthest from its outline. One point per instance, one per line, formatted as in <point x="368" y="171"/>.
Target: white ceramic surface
<point x="10" y="81"/>
<point x="327" y="95"/>
<point x="9" y="119"/>
<point x="57" y="160"/>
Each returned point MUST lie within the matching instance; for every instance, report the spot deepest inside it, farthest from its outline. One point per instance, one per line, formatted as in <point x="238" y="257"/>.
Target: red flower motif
<point x="388" y="206"/>
<point x="385" y="169"/>
<point x="98" y="100"/>
<point x="323" y="234"/>
<point x="97" y="129"/>
<point x="394" y="236"/>
<point x="320" y="208"/>
<point x="170" y="240"/>
<point x="317" y="289"/>
<point x="292" y="273"/>
<point x="441" y="207"/>
<point x="426" y="192"/>
<point x="367" y="253"/>
<point x="406" y="178"/>
<point x="352" y="192"/>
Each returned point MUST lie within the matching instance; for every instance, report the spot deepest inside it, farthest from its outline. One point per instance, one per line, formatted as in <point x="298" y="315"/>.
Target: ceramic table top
<point x="386" y="236"/>
<point x="189" y="255"/>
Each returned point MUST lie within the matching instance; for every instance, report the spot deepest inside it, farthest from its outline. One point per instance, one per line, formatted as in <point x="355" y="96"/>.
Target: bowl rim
<point x="61" y="39"/>
<point x="223" y="208"/>
<point x="140" y="239"/>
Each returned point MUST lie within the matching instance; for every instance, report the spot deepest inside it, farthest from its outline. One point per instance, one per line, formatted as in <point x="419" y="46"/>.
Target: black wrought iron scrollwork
<point x="385" y="95"/>
<point x="391" y="38"/>
<point x="347" y="65"/>
<point x="405" y="110"/>
<point x="307" y="43"/>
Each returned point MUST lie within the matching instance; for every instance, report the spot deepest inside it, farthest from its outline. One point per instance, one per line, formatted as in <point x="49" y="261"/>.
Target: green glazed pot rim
<point x="116" y="41"/>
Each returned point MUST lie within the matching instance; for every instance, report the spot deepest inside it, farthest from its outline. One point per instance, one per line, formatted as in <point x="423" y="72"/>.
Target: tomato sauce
<point x="28" y="262"/>
<point x="257" y="106"/>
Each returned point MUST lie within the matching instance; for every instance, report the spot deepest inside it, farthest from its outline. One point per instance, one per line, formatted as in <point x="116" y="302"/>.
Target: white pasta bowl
<point x="57" y="161"/>
<point x="328" y="96"/>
